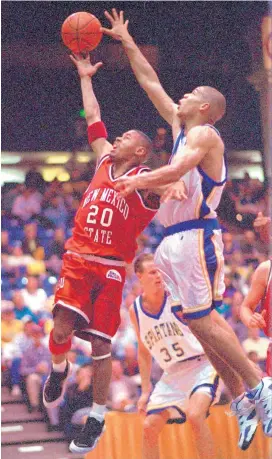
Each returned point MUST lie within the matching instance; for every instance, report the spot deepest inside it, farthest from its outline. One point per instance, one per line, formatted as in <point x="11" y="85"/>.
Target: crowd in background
<point x="37" y="218"/>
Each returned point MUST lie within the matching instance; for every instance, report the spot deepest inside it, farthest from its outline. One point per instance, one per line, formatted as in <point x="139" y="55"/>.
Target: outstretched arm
<point x="144" y="363"/>
<point x="86" y="71"/>
<point x="200" y="140"/>
<point x="143" y="71"/>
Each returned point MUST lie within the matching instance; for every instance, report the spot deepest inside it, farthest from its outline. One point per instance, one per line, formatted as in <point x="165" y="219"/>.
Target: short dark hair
<point x="146" y="141"/>
<point x="139" y="261"/>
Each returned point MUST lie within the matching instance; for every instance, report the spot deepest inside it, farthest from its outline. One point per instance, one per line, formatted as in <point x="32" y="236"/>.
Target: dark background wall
<point x="198" y="42"/>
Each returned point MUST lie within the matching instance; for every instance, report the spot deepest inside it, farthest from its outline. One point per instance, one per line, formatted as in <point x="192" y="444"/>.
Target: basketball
<point x="81" y="32"/>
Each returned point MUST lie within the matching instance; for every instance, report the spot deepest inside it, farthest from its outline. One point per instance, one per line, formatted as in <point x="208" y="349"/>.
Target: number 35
<point x="178" y="350"/>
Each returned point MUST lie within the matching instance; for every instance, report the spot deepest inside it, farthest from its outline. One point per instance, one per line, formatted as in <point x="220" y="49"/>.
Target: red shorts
<point x="94" y="291"/>
<point x="269" y="360"/>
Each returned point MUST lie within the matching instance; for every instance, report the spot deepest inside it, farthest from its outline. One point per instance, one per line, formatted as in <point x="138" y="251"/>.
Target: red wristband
<point x="97" y="131"/>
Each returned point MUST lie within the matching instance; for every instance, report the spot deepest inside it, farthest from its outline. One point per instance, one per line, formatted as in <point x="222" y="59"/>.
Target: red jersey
<point x="266" y="304"/>
<point x="107" y="225"/>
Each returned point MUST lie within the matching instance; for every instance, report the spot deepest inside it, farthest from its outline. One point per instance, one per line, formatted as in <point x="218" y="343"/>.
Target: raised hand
<point x="257" y="320"/>
<point x="84" y="65"/>
<point x="119" y="30"/>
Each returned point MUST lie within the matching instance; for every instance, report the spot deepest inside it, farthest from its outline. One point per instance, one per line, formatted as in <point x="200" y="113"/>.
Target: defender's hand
<point x="142" y="403"/>
<point x="119" y="30"/>
<point x="84" y="65"/>
<point x="176" y="191"/>
<point x="257" y="320"/>
<point x="126" y="185"/>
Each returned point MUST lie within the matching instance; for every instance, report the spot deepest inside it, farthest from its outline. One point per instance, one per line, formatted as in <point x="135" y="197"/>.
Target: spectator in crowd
<point x="5" y="244"/>
<point x="256" y="343"/>
<point x="27" y="204"/>
<point x="123" y="392"/>
<point x="57" y="245"/>
<point x="78" y="402"/>
<point x="34" y="296"/>
<point x="125" y="334"/>
<point x="12" y="354"/>
<point x="230" y="246"/>
<point x="20" y="309"/>
<point x="56" y="211"/>
<point x="10" y="326"/>
<point x="234" y="320"/>
<point x="35" y="366"/>
<point x="251" y="247"/>
<point x="17" y="257"/>
<point x="30" y="242"/>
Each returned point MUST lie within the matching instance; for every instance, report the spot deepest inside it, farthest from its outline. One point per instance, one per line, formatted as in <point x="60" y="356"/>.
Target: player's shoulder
<point x="264" y="268"/>
<point x="204" y="133"/>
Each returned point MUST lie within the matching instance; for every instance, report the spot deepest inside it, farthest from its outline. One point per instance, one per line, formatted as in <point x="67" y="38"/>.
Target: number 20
<point x="106" y="217"/>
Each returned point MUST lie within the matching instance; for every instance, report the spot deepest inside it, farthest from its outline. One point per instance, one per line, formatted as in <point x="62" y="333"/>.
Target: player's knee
<point x="195" y="417"/>
<point x="101" y="348"/>
<point x="61" y="336"/>
<point x="151" y="430"/>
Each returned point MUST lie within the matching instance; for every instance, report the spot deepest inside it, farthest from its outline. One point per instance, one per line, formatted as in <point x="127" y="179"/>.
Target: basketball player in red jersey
<point x="89" y="292"/>
<point x="260" y="292"/>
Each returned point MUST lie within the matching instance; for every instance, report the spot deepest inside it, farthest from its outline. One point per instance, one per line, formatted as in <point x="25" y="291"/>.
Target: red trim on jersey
<point x="97" y="131"/>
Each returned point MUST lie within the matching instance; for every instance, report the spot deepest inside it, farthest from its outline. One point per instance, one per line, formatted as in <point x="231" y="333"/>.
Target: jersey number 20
<point x="105" y="219"/>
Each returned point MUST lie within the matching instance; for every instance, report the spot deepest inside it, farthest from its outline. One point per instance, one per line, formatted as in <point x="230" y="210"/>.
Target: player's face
<point x="190" y="103"/>
<point x="125" y="146"/>
<point x="151" y="277"/>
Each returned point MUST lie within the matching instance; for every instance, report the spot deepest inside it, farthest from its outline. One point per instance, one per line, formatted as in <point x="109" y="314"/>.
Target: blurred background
<point x="47" y="164"/>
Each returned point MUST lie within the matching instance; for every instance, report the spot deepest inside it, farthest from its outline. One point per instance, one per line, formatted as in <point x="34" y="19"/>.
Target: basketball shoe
<point x="247" y="417"/>
<point x="89" y="435"/>
<point x="262" y="397"/>
<point x="54" y="387"/>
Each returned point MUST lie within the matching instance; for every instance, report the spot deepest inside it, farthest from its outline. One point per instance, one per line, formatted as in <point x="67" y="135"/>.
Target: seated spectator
<point x="10" y="326"/>
<point x="27" y="204"/>
<point x="20" y="309"/>
<point x="12" y="354"/>
<point x="34" y="297"/>
<point x="30" y="242"/>
<point x="57" y="245"/>
<point x="251" y="247"/>
<point x="125" y="335"/>
<point x="230" y="246"/>
<point x="35" y="366"/>
<point x="247" y="205"/>
<point x="56" y="212"/>
<point x="234" y="320"/>
<point x="78" y="402"/>
<point x="17" y="257"/>
<point x="5" y="244"/>
<point x="256" y="343"/>
<point x="123" y="391"/>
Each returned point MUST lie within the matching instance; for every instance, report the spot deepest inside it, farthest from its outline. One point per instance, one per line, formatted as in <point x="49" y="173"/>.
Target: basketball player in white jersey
<point x="191" y="254"/>
<point x="189" y="384"/>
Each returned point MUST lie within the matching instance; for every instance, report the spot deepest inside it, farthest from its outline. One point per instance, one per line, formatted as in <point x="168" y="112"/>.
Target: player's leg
<point x="153" y="425"/>
<point x="241" y="406"/>
<point x="59" y="346"/>
<point x="196" y="414"/>
<point x="104" y="324"/>
<point x="260" y="390"/>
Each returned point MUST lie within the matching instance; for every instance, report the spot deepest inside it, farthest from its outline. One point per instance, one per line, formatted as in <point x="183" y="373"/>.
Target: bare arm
<point x="143" y="71"/>
<point x="200" y="140"/>
<point x="256" y="292"/>
<point x="144" y="357"/>
<point x="86" y="71"/>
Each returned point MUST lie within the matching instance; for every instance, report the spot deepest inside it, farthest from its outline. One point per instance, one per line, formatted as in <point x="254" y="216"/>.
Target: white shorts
<point x="192" y="265"/>
<point x="172" y="392"/>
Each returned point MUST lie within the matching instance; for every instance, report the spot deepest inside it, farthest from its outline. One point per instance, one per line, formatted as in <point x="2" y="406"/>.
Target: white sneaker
<point x="247" y="417"/>
<point x="263" y="403"/>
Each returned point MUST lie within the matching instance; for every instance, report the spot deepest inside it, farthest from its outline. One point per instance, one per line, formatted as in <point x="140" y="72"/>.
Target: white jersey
<point x="167" y="338"/>
<point x="204" y="193"/>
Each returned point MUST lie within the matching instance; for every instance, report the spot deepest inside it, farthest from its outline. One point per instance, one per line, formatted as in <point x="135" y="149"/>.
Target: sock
<point x="252" y="393"/>
<point x="60" y="367"/>
<point x="98" y="411"/>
